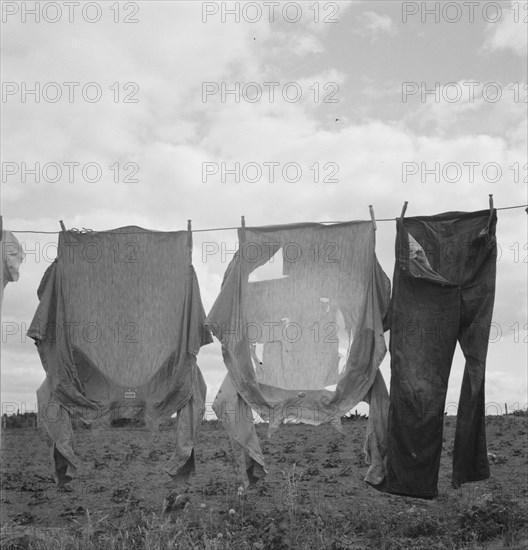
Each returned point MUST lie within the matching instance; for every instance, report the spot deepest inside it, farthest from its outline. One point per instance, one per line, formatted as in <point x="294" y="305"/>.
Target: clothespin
<point x="62" y="225"/>
<point x="189" y="233"/>
<point x="491" y="209"/>
<point x="372" y="217"/>
<point x="243" y="229"/>
<point x="404" y="209"/>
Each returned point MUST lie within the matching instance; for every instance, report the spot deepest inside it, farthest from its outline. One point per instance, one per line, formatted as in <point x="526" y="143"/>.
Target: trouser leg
<point x="423" y="339"/>
<point x="470" y="460"/>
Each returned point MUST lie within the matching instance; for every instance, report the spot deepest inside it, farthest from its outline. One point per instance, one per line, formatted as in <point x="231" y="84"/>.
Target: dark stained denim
<point x="444" y="290"/>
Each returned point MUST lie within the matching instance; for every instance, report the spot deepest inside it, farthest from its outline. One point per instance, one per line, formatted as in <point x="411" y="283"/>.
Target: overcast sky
<point x="141" y="111"/>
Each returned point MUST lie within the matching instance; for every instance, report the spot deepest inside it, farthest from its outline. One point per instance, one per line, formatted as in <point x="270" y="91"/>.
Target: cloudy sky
<point x="152" y="113"/>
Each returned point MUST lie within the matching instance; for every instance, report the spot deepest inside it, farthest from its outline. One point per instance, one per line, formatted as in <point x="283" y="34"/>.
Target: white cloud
<point x="510" y="32"/>
<point x="376" y="24"/>
<point x="470" y="106"/>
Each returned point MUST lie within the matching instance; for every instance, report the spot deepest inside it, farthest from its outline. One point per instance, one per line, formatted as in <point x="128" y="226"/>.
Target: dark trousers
<point x="444" y="289"/>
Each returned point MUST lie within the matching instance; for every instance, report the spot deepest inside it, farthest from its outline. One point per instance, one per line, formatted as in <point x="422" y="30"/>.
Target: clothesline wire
<point x="238" y="227"/>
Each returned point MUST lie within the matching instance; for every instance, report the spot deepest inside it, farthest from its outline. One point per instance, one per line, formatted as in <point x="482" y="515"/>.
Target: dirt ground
<point x="122" y="469"/>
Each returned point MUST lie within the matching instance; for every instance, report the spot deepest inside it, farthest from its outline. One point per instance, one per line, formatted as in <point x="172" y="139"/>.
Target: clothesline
<point x="238" y="227"/>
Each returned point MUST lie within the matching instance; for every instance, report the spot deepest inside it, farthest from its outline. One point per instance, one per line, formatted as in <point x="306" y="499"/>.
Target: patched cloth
<point x="300" y="318"/>
<point x="118" y="329"/>
<point x="444" y="291"/>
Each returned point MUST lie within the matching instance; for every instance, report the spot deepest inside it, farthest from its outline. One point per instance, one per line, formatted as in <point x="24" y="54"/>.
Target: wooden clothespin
<point x="491" y="209"/>
<point x="62" y="225"/>
<point x="243" y="229"/>
<point x="189" y="233"/>
<point x="372" y="217"/>
<point x="404" y="209"/>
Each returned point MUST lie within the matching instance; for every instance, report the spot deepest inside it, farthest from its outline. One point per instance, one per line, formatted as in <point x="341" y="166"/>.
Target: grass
<point x="292" y="509"/>
<point x="249" y="522"/>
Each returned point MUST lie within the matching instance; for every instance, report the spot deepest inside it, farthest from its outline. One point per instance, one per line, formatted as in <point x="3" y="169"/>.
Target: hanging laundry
<point x="12" y="257"/>
<point x="444" y="288"/>
<point x="118" y="328"/>
<point x="300" y="318"/>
